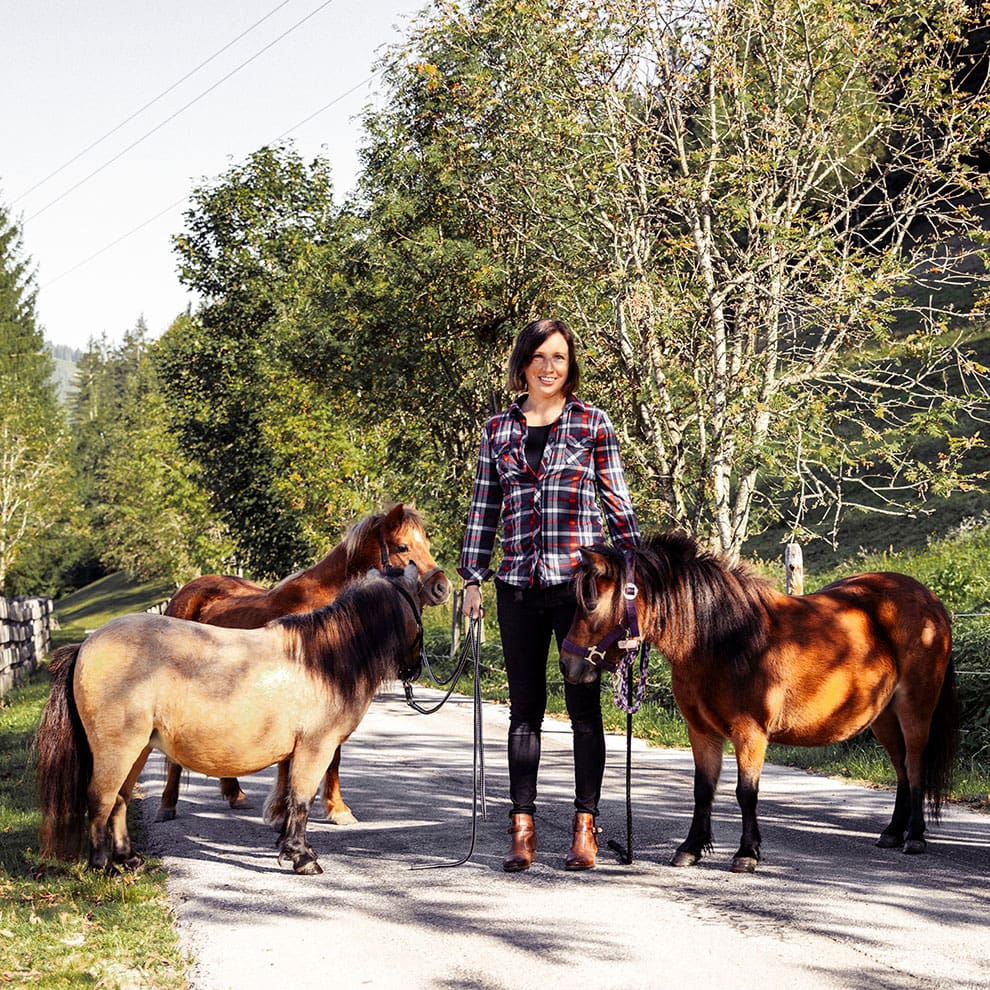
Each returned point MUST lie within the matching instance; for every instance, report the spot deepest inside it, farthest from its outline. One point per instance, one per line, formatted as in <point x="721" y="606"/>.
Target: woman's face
<point x="546" y="372"/>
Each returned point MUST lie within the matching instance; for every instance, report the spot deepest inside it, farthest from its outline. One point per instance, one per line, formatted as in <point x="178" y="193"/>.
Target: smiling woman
<point x="548" y="470"/>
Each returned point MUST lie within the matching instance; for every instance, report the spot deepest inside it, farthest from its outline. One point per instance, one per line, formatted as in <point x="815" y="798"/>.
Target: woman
<point x="549" y="467"/>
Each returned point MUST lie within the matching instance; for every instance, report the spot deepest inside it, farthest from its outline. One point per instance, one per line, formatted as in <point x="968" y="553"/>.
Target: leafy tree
<point x="731" y="198"/>
<point x="149" y="516"/>
<point x="249" y="238"/>
<point x="35" y="479"/>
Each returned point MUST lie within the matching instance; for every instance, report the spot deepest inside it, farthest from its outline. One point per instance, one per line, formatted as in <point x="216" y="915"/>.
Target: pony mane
<point x="355" y="642"/>
<point x="356" y="536"/>
<point x="711" y="608"/>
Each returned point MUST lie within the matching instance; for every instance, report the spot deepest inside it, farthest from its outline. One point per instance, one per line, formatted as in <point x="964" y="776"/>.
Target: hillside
<point x="875" y="532"/>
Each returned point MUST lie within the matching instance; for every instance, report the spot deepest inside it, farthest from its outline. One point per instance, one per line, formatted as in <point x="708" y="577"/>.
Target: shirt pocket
<point x="574" y="457"/>
<point x="509" y="463"/>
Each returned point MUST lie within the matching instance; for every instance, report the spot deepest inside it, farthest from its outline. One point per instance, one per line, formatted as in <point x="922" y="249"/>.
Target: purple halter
<point x="595" y="655"/>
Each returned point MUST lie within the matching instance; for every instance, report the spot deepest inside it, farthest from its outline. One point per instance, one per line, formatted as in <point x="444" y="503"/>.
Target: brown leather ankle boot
<point x="523" y="848"/>
<point x="584" y="848"/>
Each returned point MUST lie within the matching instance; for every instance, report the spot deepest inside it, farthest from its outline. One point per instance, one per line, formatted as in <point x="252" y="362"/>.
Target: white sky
<point x="73" y="70"/>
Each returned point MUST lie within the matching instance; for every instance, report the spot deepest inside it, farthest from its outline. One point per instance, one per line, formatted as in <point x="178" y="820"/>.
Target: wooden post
<point x="794" y="569"/>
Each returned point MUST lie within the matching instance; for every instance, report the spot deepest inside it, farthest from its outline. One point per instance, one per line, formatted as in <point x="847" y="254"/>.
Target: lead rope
<point x="629" y="701"/>
<point x="472" y="647"/>
<point x="631" y="706"/>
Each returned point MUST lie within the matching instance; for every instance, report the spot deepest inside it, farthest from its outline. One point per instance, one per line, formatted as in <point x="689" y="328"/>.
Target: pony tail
<point x="65" y="763"/>
<point x="938" y="762"/>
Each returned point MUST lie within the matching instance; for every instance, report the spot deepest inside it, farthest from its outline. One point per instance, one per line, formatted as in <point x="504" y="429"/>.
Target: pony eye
<point x="402" y="548"/>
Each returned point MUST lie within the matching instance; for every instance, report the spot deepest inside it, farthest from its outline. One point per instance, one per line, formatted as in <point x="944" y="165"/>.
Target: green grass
<point x="89" y="608"/>
<point x="60" y="925"/>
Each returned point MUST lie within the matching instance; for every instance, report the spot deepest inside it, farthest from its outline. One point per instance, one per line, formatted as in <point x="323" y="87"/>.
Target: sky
<point x="113" y="111"/>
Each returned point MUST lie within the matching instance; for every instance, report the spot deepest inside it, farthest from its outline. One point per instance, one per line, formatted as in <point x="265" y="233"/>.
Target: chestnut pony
<point x="220" y="701"/>
<point x="391" y="539"/>
<point x="753" y="665"/>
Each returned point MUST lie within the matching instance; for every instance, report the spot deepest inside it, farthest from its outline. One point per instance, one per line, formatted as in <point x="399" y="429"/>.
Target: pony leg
<point x="304" y="779"/>
<point x="276" y="807"/>
<point x="170" y="794"/>
<point x="707" y="751"/>
<point x="333" y="802"/>
<point x="107" y="797"/>
<point x="750" y="754"/>
<point x="121" y="851"/>
<point x="888" y="731"/>
<point x="230" y="788"/>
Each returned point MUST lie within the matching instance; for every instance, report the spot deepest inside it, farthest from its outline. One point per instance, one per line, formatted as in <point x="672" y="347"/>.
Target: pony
<point x="756" y="666"/>
<point x="219" y="701"/>
<point x="390" y="539"/>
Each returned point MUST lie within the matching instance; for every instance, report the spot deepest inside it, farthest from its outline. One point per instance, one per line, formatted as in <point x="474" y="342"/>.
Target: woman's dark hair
<point x="529" y="339"/>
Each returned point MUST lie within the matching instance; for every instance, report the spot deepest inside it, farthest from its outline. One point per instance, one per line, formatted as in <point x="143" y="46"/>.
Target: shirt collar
<point x="515" y="409"/>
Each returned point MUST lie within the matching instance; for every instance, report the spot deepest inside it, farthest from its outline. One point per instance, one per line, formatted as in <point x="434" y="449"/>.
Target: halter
<point x="392" y="573"/>
<point x="595" y="655"/>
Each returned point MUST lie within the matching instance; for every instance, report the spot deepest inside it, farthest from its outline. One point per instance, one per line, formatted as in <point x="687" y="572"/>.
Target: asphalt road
<point x="825" y="909"/>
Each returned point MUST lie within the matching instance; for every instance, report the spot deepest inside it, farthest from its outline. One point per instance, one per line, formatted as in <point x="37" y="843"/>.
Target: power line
<point x="181" y="110"/>
<point x="123" y="237"/>
<point x="150" y="103"/>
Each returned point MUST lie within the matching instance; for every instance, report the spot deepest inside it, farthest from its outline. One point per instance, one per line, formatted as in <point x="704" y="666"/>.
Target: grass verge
<point x="62" y="926"/>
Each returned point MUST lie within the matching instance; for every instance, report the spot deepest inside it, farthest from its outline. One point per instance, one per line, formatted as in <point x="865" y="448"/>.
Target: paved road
<point x="826" y="908"/>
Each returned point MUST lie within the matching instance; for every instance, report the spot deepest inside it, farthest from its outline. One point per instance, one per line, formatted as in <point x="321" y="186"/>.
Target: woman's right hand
<point x="472" y="606"/>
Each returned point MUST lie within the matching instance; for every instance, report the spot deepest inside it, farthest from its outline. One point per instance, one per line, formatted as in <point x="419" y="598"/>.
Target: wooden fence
<point x="25" y="637"/>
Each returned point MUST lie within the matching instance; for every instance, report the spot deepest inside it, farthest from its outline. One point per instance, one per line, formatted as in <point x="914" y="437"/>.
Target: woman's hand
<point x="472" y="606"/>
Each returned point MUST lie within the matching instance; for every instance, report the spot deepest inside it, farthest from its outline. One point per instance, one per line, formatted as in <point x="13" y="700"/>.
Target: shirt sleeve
<point x="483" y="516"/>
<point x="613" y="492"/>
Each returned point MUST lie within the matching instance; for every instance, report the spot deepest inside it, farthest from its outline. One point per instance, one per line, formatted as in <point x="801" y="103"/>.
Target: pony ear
<point x="395" y="515"/>
<point x="593" y="558"/>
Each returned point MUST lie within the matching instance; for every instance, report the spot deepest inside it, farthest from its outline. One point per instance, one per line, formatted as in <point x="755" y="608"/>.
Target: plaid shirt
<point x="546" y="515"/>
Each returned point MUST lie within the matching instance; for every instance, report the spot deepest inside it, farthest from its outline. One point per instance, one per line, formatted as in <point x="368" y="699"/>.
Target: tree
<point x="149" y="515"/>
<point x="733" y="198"/>
<point x="35" y="479"/>
<point x="249" y="238"/>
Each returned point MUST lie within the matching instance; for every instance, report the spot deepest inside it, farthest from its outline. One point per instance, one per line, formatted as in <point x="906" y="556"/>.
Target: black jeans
<point x="527" y="617"/>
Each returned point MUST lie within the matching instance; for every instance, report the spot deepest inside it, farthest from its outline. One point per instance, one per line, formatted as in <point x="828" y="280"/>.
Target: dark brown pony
<point x="200" y="693"/>
<point x="393" y="538"/>
<point x="756" y="666"/>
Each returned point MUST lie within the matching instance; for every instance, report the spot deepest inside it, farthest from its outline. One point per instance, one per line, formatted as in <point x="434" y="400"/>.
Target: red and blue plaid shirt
<point x="546" y="515"/>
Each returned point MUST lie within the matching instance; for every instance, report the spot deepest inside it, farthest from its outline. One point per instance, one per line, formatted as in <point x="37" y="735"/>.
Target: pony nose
<point x="439" y="589"/>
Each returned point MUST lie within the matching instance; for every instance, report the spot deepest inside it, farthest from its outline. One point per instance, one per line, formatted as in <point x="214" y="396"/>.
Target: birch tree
<point x="760" y="213"/>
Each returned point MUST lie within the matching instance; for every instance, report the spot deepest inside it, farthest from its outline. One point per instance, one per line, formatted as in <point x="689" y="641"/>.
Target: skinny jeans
<point x="527" y="618"/>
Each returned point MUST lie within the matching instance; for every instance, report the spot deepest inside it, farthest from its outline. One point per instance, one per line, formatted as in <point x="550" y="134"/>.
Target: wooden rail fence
<point x="25" y="638"/>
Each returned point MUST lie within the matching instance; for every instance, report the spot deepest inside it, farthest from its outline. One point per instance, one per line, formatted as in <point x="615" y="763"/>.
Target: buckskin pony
<point x="390" y="539"/>
<point x="219" y="701"/>
<point x="753" y="665"/>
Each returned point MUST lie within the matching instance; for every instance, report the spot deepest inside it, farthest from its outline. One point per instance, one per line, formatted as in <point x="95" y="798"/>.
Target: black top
<point x="536" y="442"/>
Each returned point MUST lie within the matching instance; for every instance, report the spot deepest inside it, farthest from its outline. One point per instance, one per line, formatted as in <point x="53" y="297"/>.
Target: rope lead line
<point x="470" y="649"/>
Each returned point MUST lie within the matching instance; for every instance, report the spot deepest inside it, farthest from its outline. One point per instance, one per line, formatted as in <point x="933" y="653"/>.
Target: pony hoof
<point x="240" y="802"/>
<point x="132" y="864"/>
<point x="744" y="864"/>
<point x="309" y="868"/>
<point x="345" y="817"/>
<point x="684" y="858"/>
<point x="914" y="847"/>
<point x="165" y="815"/>
<point x="888" y="841"/>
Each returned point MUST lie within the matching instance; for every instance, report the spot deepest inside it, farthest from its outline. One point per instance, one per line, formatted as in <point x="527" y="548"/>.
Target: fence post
<point x="794" y="569"/>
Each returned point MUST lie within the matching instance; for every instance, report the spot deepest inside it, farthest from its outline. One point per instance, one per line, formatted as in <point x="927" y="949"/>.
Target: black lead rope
<point x="471" y="649"/>
<point x="626" y="852"/>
